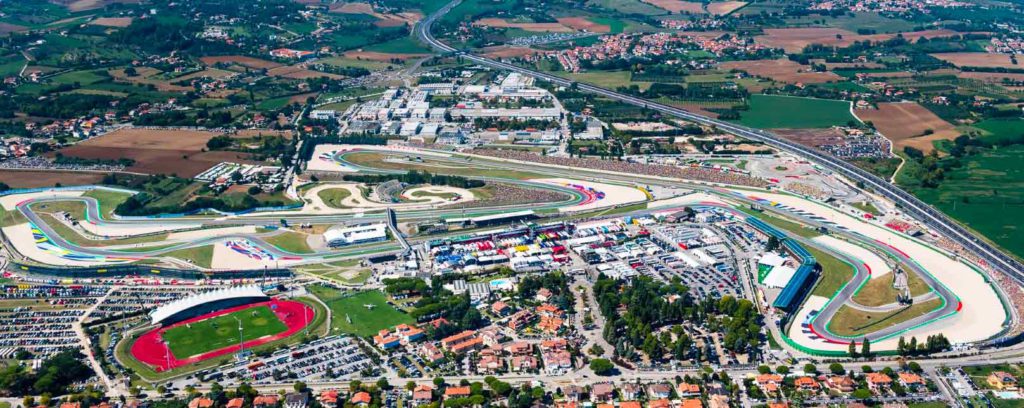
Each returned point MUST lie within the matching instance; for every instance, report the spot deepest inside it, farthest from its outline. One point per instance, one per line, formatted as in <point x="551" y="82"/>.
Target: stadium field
<point x="221" y="331"/>
<point x="215" y="334"/>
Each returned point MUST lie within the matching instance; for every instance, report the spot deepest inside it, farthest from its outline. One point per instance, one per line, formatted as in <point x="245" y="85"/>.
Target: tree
<point x="836" y="369"/>
<point x="782" y="369"/>
<point x="383" y="384"/>
<point x="601" y="366"/>
<point x="901" y="347"/>
<point x="810" y="368"/>
<point x="299" y="386"/>
<point x="254" y="190"/>
<point x="853" y="350"/>
<point x="914" y="366"/>
<point x="865" y="349"/>
<point x="763" y="369"/>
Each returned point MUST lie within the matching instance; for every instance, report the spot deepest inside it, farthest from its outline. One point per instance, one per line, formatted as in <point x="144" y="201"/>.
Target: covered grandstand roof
<point x="797" y="285"/>
<point x="164" y="312"/>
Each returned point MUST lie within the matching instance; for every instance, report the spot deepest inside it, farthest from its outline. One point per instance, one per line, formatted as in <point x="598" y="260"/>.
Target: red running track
<point x="151" y="349"/>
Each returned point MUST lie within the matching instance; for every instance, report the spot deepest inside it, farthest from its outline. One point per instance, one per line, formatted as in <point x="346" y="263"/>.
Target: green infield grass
<point x="222" y="331"/>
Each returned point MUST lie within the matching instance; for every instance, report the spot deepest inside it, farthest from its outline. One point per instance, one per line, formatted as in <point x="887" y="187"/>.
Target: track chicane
<point x="151" y="349"/>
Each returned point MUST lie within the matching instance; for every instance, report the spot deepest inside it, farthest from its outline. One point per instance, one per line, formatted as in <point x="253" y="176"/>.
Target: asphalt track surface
<point x="918" y="209"/>
<point x="820" y="323"/>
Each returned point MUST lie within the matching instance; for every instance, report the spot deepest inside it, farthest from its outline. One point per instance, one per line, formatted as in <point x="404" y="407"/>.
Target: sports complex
<point x="217" y="323"/>
<point x="843" y="277"/>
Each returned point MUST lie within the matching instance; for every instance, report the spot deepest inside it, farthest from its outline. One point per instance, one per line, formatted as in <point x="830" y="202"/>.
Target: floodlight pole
<point x="241" y="344"/>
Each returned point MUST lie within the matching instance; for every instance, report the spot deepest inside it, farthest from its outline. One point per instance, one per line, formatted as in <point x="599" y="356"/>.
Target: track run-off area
<point x="960" y="303"/>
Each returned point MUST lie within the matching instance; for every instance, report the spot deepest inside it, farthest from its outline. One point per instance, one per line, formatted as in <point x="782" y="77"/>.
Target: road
<point x="911" y="205"/>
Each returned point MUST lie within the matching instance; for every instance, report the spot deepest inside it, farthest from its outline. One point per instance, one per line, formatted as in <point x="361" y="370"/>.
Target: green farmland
<point x="766" y="112"/>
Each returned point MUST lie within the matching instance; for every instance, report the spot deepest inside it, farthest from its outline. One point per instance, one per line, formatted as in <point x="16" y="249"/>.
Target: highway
<point x="911" y="205"/>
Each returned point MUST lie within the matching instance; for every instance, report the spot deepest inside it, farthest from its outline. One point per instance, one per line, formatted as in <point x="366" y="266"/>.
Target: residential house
<point x="500" y="308"/>
<point x="456" y="392"/>
<point x="661" y="403"/>
<point x="806" y="383"/>
<point x="630" y="391"/>
<point x="197" y="402"/>
<point x="878" y="382"/>
<point x="329" y="398"/>
<point x="602" y="392"/>
<point x="573" y="392"/>
<point x="659" y="391"/>
<point x="688" y="390"/>
<point x="265" y="401"/>
<point x="840" y="383"/>
<point x="422" y="395"/>
<point x="691" y="403"/>
<point x="912" y="381"/>
<point x="233" y="403"/>
<point x="769" y="383"/>
<point x="362" y="398"/>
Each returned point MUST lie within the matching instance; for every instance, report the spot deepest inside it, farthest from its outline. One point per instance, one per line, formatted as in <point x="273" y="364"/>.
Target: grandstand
<point x="192" y="306"/>
<point x="799" y="284"/>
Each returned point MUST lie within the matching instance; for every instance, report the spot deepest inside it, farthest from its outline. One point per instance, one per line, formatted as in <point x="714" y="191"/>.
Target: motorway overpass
<point x="930" y="216"/>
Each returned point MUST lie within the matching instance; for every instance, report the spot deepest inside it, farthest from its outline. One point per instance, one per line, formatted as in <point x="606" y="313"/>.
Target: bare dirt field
<point x="812" y="137"/>
<point x="254" y="63"/>
<point x="678" y="6"/>
<point x="537" y="27"/>
<point x="992" y="76"/>
<point x="381" y="56"/>
<point x="6" y="28"/>
<point x="82" y="5"/>
<point x="584" y="24"/>
<point x="905" y="124"/>
<point x="795" y="39"/>
<point x="251" y="133"/>
<point x="383" y="19"/>
<point x="722" y="8"/>
<point x="33" y="179"/>
<point x="112" y="21"/>
<point x="977" y="59"/>
<point x="841" y="65"/>
<point x="298" y="72"/>
<point x="782" y="70"/>
<point x="155" y="151"/>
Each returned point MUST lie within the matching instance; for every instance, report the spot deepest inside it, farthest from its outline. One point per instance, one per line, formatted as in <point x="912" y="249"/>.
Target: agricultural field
<point x="978" y="59"/>
<point x="781" y="70"/>
<point x="909" y="124"/>
<point x="156" y="151"/>
<point x="362" y="313"/>
<point x="987" y="183"/>
<point x="801" y="112"/>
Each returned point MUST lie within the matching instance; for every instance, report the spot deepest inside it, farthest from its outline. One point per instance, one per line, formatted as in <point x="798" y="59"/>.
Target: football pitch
<point x="222" y="331"/>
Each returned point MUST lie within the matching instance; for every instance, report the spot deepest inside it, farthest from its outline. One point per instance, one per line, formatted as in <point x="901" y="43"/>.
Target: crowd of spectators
<point x="626" y="167"/>
<point x="508" y="194"/>
<point x="805" y="189"/>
